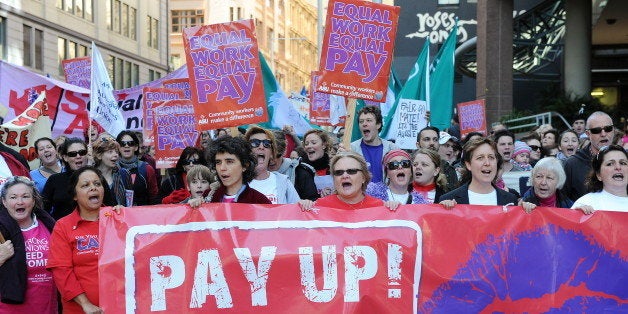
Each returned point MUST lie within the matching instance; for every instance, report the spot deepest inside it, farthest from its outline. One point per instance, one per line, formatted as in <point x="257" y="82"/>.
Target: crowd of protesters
<point x="573" y="168"/>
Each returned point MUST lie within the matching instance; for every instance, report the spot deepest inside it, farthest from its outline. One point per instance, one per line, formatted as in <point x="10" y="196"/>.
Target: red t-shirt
<point x="41" y="293"/>
<point x="334" y="202"/>
<point x="74" y="260"/>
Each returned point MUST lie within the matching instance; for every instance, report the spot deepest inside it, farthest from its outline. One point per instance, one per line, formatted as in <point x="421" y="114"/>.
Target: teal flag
<point x="281" y="112"/>
<point x="394" y="86"/>
<point x="415" y="88"/>
<point x="442" y="83"/>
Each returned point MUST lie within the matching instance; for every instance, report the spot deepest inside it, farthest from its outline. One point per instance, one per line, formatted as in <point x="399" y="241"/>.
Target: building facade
<point x="131" y="35"/>
<point x="286" y="32"/>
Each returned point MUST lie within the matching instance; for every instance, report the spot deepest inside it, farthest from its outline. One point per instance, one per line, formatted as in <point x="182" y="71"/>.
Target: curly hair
<point x="592" y="182"/>
<point x="257" y="130"/>
<point x="103" y="145"/>
<point x="238" y="147"/>
<point x="375" y="111"/>
<point x="15" y="180"/>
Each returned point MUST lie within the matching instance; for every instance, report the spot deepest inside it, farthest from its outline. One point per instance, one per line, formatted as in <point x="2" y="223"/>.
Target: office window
<point x="67" y="49"/>
<point x="132" y="23"/>
<point x="32" y="53"/>
<point x="152" y="29"/>
<point x="187" y="18"/>
<point x="80" y="8"/>
<point x="123" y="73"/>
<point x="121" y="18"/>
<point x="124" y="17"/>
<point x="116" y="15"/>
<point x="153" y="75"/>
<point x="231" y="14"/>
<point x="3" y="38"/>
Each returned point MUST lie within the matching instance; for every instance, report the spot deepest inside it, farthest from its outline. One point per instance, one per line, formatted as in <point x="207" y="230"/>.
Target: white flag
<point x="103" y="105"/>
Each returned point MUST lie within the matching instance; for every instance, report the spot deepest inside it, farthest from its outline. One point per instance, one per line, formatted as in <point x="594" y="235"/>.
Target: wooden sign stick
<point x="346" y="139"/>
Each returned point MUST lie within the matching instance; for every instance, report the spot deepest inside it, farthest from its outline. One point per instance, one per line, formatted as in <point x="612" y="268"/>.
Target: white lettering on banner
<point x="361" y="264"/>
<point x="257" y="277"/>
<point x="330" y="274"/>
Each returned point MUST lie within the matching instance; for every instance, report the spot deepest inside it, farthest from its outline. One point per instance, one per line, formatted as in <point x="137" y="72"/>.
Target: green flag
<point x="442" y="83"/>
<point x="281" y="112"/>
<point x="415" y="88"/>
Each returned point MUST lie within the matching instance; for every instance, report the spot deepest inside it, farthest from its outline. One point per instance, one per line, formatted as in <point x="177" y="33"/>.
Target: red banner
<point x="225" y="74"/>
<point x="77" y="71"/>
<point x="472" y="117"/>
<point x="274" y="258"/>
<point x="153" y="97"/>
<point x="174" y="129"/>
<point x="358" y="49"/>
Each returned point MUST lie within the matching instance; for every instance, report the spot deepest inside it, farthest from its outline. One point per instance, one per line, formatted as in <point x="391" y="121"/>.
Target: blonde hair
<point x="357" y="157"/>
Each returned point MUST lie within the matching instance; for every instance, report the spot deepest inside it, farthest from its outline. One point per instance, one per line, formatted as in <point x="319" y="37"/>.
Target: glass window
<point x="39" y="49"/>
<point x="108" y="15"/>
<point x="127" y="74"/>
<point x="132" y="23"/>
<point x="89" y="10"/>
<point x="71" y="50"/>
<point x="125" y="20"/>
<point x="78" y="8"/>
<point x="26" y="39"/>
<point x="135" y="75"/>
<point x="60" y="53"/>
<point x="3" y="38"/>
<point x="187" y="18"/>
<point x="116" y="16"/>
<point x="118" y="73"/>
<point x="68" y="7"/>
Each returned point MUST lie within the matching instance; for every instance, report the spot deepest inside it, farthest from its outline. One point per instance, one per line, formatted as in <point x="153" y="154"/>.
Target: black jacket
<point x="577" y="168"/>
<point x="461" y="196"/>
<point x="13" y="271"/>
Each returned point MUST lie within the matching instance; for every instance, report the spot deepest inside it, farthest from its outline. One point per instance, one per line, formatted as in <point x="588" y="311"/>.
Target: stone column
<point x="494" y="56"/>
<point x="577" y="61"/>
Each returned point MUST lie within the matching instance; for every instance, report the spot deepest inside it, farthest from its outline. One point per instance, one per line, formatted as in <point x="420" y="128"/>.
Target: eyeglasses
<point x="398" y="164"/>
<point x="598" y="130"/>
<point x="127" y="143"/>
<point x="351" y="171"/>
<point x="255" y="143"/>
<point x="192" y="161"/>
<point x="75" y="153"/>
<point x="535" y="148"/>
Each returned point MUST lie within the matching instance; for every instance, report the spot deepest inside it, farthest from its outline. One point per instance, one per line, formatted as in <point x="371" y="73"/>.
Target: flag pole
<point x="346" y="139"/>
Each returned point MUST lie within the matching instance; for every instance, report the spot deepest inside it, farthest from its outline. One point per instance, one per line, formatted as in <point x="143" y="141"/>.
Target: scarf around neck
<point x="129" y="164"/>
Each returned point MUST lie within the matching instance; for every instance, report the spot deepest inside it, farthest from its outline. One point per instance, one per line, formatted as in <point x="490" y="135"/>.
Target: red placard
<point x="225" y="74"/>
<point x="472" y="117"/>
<point x="174" y="129"/>
<point x="358" y="49"/>
<point x="77" y="71"/>
<point x="153" y="97"/>
<point x="238" y="258"/>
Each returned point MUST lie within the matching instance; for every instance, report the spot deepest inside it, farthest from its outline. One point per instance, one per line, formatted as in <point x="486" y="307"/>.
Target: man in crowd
<point x="371" y="146"/>
<point x="600" y="130"/>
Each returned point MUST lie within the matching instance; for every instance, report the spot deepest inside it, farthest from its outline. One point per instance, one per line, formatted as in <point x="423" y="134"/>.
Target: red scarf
<point x="423" y="188"/>
<point x="548" y="202"/>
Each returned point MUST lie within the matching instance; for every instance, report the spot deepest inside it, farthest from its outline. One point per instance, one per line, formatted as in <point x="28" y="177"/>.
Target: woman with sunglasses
<point x="49" y="162"/>
<point x="26" y="286"/>
<point x="55" y="193"/>
<point x="351" y="177"/>
<point x="175" y="185"/>
<point x="567" y="144"/>
<point x="397" y="179"/>
<point x="143" y="175"/>
<point x="428" y="181"/>
<point x="481" y="163"/>
<point x="607" y="182"/>
<point x="233" y="160"/>
<point x="276" y="186"/>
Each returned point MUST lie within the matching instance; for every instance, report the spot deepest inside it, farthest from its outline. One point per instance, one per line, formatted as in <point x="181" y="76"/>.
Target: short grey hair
<point x="550" y="164"/>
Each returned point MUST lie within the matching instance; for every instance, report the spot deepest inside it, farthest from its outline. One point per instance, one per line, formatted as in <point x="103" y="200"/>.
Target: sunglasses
<point x="398" y="164"/>
<point x="127" y="143"/>
<point x="81" y="152"/>
<point x="534" y="147"/>
<point x="255" y="143"/>
<point x="598" y="130"/>
<point x="192" y="161"/>
<point x="340" y="172"/>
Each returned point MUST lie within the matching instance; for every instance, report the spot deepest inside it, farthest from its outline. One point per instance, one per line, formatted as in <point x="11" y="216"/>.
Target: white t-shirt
<point x="401" y="198"/>
<point x="603" y="201"/>
<point x="267" y="187"/>
<point x="482" y="199"/>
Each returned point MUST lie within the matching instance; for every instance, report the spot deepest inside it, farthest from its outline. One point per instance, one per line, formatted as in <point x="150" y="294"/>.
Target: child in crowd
<point x="199" y="188"/>
<point x="521" y="157"/>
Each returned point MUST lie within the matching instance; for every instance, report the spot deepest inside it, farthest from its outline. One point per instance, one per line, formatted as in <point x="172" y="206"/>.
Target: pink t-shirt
<point x="41" y="293"/>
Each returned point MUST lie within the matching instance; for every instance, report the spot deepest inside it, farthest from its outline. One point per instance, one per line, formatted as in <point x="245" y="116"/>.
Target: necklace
<point x="402" y="197"/>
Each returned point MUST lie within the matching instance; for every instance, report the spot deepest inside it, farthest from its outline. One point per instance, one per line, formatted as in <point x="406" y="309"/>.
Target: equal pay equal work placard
<point x="358" y="49"/>
<point x="153" y="97"/>
<point x="225" y="74"/>
<point x="239" y="258"/>
<point x="472" y="117"/>
<point x="77" y="71"/>
<point x="175" y="129"/>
